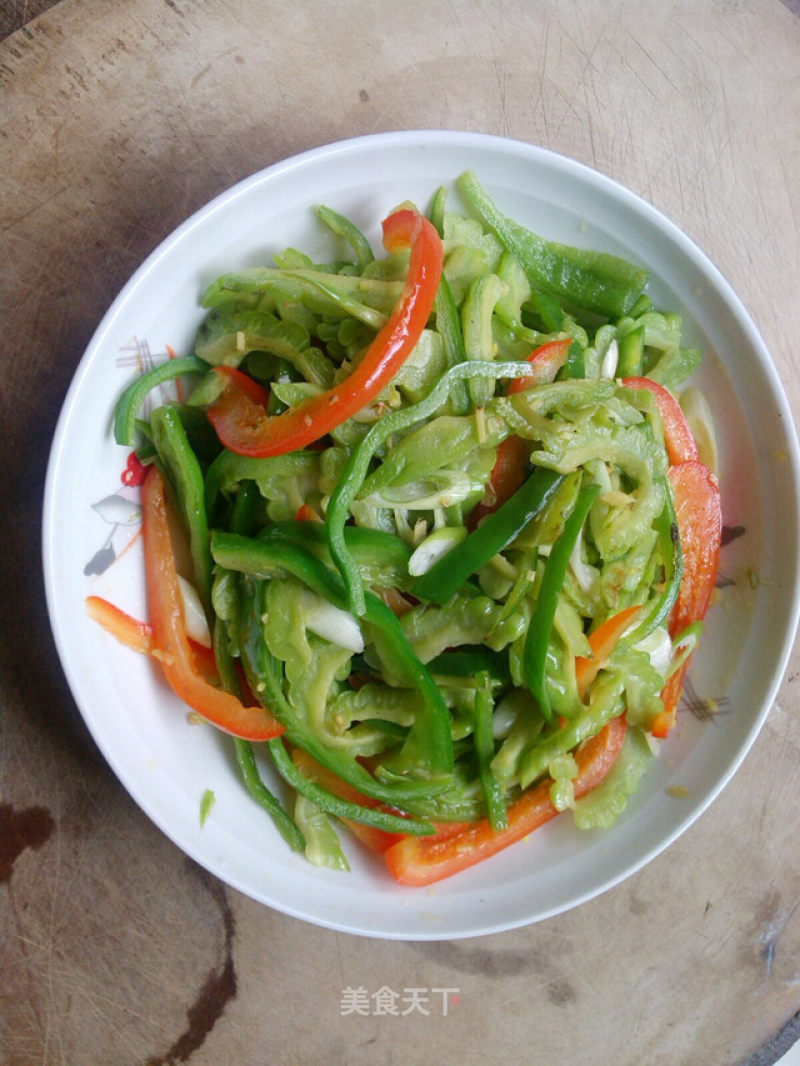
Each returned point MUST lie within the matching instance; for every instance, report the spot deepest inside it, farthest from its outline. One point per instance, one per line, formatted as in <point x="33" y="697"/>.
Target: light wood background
<point x="117" y="119"/>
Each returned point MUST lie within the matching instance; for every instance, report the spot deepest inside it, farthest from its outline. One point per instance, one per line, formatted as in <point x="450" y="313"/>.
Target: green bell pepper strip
<point x="245" y="756"/>
<point x="284" y="823"/>
<point x="244" y="516"/>
<point x="498" y="530"/>
<point x="597" y="282"/>
<point x="356" y="468"/>
<point x="484" y="749"/>
<point x="133" y="397"/>
<point x="180" y="461"/>
<point x="428" y="749"/>
<point x="534" y="657"/>
<point x="341" y="808"/>
<point x="343" y="227"/>
<point x="470" y="660"/>
<point x="373" y="550"/>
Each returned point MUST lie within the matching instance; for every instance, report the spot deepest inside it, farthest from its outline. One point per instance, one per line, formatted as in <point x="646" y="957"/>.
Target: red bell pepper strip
<point x="678" y="440"/>
<point x="698" y="513"/>
<point x="509" y="471"/>
<point x="251" y="388"/>
<point x="418" y="861"/>
<point x="244" y="426"/>
<point x="603" y="641"/>
<point x="169" y="629"/>
<point x="510" y="466"/>
<point x="138" y="635"/>
<point x="546" y="360"/>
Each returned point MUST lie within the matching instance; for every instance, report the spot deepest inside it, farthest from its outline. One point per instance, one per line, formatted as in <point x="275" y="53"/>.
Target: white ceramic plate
<point x="91" y="520"/>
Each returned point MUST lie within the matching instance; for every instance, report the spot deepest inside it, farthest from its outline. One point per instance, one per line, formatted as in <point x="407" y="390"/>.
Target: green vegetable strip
<point x="341" y="808"/>
<point x="672" y="553"/>
<point x="437" y="208"/>
<point x="448" y="325"/>
<point x="176" y="453"/>
<point x="428" y="749"/>
<point x="607" y="702"/>
<point x="245" y="757"/>
<point x="343" y="227"/>
<point x="541" y="623"/>
<point x="265" y="676"/>
<point x="129" y="404"/>
<point x="484" y="749"/>
<point x="597" y="282"/>
<point x="447" y="575"/>
<point x="356" y="468"/>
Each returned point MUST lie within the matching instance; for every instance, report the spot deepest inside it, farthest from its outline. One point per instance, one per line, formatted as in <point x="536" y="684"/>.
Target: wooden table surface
<point x="119" y="118"/>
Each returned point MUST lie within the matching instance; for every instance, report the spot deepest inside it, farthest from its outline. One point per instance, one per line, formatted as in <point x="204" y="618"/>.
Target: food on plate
<point x="428" y="533"/>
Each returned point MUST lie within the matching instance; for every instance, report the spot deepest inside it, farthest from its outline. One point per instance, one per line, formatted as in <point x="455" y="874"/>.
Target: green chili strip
<point x="133" y="397"/>
<point x="244" y="515"/>
<point x="176" y="453"/>
<point x="341" y="808"/>
<point x="245" y="757"/>
<point x="541" y="624"/>
<point x="357" y="465"/>
<point x="343" y="227"/>
<point x="484" y="749"/>
<point x="262" y="795"/>
<point x="447" y="575"/>
<point x="598" y="282"/>
<point x="428" y="748"/>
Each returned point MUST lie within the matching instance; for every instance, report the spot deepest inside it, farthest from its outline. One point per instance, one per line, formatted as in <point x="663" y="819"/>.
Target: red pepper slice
<point x="510" y="466"/>
<point x="418" y="861"/>
<point x="508" y="473"/>
<point x="546" y="360"/>
<point x="698" y="512"/>
<point x="244" y="426"/>
<point x="138" y="635"/>
<point x="169" y="629"/>
<point x="244" y="383"/>
<point x="678" y="439"/>
<point x="602" y="641"/>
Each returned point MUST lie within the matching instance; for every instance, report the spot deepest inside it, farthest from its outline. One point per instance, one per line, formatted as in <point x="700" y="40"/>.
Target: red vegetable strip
<point x="547" y="360"/>
<point x="251" y="388"/>
<point x="603" y="641"/>
<point x="169" y="629"/>
<point x="680" y="444"/>
<point x="698" y="513"/>
<point x="244" y="426"/>
<point x="507" y="475"/>
<point x="419" y="861"/>
<point x="138" y="635"/>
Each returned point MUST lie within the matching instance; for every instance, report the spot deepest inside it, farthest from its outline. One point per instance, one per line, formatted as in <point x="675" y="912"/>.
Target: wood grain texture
<point x="119" y="119"/>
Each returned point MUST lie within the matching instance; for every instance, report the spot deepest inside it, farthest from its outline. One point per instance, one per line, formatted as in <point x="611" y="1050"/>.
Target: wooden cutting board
<point x="117" y="120"/>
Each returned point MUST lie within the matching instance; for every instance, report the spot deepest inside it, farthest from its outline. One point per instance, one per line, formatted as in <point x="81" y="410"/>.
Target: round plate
<point x="91" y="543"/>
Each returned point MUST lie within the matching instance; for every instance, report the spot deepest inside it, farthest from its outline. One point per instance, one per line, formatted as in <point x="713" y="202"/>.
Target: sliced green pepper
<point x="541" y="624"/>
<point x="597" y="282"/>
<point x="494" y="534"/>
<point x="133" y="397"/>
